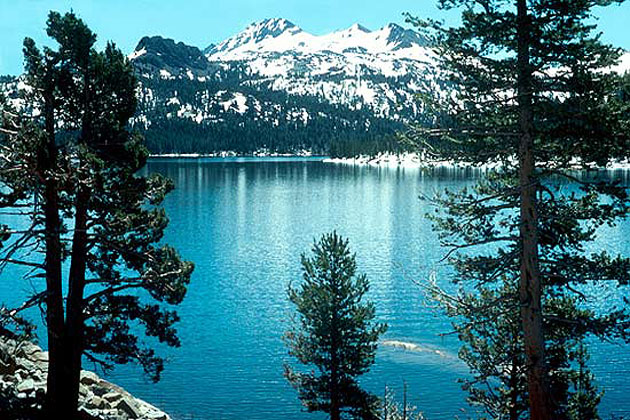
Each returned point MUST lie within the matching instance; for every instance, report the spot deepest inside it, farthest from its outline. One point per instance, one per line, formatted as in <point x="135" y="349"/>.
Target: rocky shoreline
<point x="23" y="372"/>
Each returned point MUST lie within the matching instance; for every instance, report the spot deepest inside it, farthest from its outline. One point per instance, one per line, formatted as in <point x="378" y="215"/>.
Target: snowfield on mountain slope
<point x="277" y="47"/>
<point x="280" y="35"/>
<point x="382" y="70"/>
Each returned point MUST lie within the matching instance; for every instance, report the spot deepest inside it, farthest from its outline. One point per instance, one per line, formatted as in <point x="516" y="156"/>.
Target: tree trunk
<point x="57" y="375"/>
<point x="78" y="266"/>
<point x="335" y="409"/>
<point x="530" y="286"/>
<point x="74" y="310"/>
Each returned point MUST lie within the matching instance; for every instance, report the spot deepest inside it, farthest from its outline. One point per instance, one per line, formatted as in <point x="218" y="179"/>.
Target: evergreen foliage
<point x="531" y="93"/>
<point x="334" y="332"/>
<point x="280" y="123"/>
<point x="367" y="147"/>
<point x="71" y="170"/>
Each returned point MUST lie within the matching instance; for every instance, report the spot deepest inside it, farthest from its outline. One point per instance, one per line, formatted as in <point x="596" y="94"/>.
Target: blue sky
<point x="201" y="22"/>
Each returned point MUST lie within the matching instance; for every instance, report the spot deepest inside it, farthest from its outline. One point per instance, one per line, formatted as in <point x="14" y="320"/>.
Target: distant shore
<point x="413" y="160"/>
<point x="231" y="154"/>
<point x="391" y="160"/>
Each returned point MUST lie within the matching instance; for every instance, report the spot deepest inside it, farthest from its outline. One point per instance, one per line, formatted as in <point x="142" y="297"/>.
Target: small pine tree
<point x="334" y="331"/>
<point x="584" y="401"/>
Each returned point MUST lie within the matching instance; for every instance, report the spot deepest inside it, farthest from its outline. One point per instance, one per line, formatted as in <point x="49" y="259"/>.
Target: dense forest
<point x="277" y="122"/>
<point x="271" y="120"/>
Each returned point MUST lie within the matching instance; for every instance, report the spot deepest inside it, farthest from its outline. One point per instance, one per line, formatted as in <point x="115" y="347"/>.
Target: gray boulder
<point x="89" y="378"/>
<point x="27" y="385"/>
<point x="112" y="397"/>
<point x="129" y="408"/>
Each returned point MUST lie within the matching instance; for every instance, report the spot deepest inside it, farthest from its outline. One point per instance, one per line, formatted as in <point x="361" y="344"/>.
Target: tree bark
<point x="74" y="310"/>
<point x="335" y="409"/>
<point x="78" y="266"/>
<point x="530" y="285"/>
<point x="57" y="374"/>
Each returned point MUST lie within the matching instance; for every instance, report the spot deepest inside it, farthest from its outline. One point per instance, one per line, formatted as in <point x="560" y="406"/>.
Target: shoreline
<point x="406" y="160"/>
<point x="410" y="160"/>
<point x="230" y="154"/>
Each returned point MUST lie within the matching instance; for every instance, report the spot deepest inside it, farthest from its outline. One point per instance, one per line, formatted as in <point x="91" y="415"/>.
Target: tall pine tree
<point x="71" y="165"/>
<point x="529" y="90"/>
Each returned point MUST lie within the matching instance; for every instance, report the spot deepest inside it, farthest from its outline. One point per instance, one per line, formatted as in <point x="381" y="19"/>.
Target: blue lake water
<point x="245" y="222"/>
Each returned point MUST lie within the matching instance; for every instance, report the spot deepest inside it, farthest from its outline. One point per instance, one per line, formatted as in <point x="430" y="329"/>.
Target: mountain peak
<point x="256" y="33"/>
<point x="358" y="28"/>
<point x="159" y="52"/>
<point x="393" y="26"/>
<point x="275" y="25"/>
<point x="280" y="36"/>
<point x="402" y="37"/>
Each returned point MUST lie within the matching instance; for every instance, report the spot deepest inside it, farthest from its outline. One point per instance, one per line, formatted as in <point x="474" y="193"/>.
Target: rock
<point x="40" y="385"/>
<point x="38" y="377"/>
<point x="111" y="387"/>
<point x="6" y="347"/>
<point x="110" y="414"/>
<point x="26" y="364"/>
<point x="88" y="414"/>
<point x="21" y="374"/>
<point x="27" y="385"/>
<point x="40" y="357"/>
<point x="83" y="390"/>
<point x="97" y="402"/>
<point x="112" y="397"/>
<point x="6" y="367"/>
<point x="9" y="379"/>
<point x="27" y="349"/>
<point x="129" y="408"/>
<point x="99" y="390"/>
<point x="89" y="378"/>
<point x="23" y="371"/>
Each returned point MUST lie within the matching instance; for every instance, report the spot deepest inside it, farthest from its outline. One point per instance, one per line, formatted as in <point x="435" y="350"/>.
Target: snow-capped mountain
<point x="381" y="69"/>
<point x="280" y="36"/>
<point x="302" y="90"/>
<point x="275" y="86"/>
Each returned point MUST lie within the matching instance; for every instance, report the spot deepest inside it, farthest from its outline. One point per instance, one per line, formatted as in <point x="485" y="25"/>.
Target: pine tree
<point x="72" y="169"/>
<point x="583" y="403"/>
<point x="334" y="331"/>
<point x="529" y="91"/>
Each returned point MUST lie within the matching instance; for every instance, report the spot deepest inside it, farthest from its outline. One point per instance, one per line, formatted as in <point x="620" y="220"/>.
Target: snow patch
<point x="238" y="102"/>
<point x="137" y="53"/>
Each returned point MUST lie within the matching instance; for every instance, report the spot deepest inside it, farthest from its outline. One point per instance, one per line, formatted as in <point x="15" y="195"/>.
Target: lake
<point x="245" y="222"/>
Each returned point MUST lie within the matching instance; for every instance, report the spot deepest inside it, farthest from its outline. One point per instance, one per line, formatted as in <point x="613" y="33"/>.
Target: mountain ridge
<point x="381" y="70"/>
<point x="279" y="35"/>
<point x="275" y="87"/>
